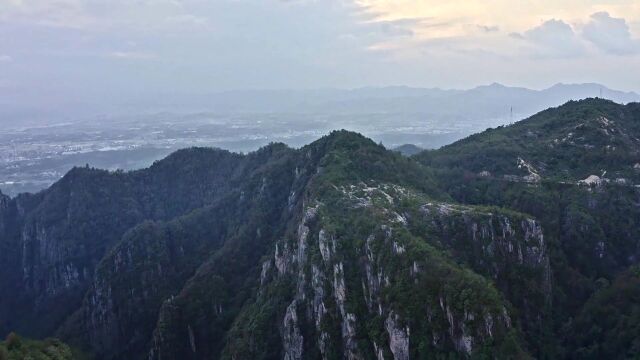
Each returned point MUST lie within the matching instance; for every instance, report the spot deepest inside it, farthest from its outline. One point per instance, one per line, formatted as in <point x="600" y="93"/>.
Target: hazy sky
<point x="94" y="48"/>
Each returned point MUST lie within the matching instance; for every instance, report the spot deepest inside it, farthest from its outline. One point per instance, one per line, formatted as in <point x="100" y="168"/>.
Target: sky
<point x="52" y="50"/>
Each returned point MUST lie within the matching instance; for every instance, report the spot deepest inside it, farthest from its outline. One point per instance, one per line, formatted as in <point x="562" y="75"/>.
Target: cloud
<point x="131" y="55"/>
<point x="54" y="13"/>
<point x="87" y="15"/>
<point x="188" y="19"/>
<point x="488" y="29"/>
<point x="5" y="58"/>
<point x="402" y="27"/>
<point x="196" y="45"/>
<point x="610" y="34"/>
<point x="553" y="38"/>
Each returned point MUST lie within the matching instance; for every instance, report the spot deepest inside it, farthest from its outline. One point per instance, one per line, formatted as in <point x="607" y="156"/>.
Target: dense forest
<point x="518" y="242"/>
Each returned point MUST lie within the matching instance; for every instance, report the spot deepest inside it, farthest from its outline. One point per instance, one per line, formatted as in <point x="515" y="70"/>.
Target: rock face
<point x="398" y="338"/>
<point x="349" y="283"/>
<point x="496" y="244"/>
<point x="292" y="341"/>
<point x="56" y="249"/>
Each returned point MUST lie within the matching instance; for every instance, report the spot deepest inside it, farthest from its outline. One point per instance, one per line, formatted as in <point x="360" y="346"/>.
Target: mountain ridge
<point x="566" y="142"/>
<point x="435" y="102"/>
<point x="339" y="249"/>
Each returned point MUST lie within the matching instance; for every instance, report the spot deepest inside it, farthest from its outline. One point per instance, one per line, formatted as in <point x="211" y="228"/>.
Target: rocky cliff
<point x="366" y="281"/>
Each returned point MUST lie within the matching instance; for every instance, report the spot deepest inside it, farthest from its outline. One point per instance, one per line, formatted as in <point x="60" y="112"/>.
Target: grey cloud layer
<point x="610" y="34"/>
<point x="604" y="32"/>
<point x="88" y="51"/>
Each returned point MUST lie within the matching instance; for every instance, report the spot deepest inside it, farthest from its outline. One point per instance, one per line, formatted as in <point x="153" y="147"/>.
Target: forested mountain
<point x="16" y="348"/>
<point x="576" y="169"/>
<point x="571" y="142"/>
<point x="487" y="248"/>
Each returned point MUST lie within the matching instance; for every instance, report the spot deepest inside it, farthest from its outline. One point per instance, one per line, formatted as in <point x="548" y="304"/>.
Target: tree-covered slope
<point x="340" y="280"/>
<point x="591" y="229"/>
<point x="17" y="348"/>
<point x="55" y="239"/>
<point x="570" y="142"/>
<point x="175" y="272"/>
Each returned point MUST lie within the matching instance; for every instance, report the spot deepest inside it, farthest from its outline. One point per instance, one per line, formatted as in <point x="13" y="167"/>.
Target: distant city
<point x="34" y="156"/>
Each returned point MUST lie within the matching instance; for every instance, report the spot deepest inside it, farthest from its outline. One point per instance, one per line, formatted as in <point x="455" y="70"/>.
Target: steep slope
<point x="571" y="142"/>
<point x="55" y="239"/>
<point x="595" y="220"/>
<point x="365" y="279"/>
<point x="153" y="260"/>
<point x="338" y="282"/>
<point x="609" y="324"/>
<point x="591" y="228"/>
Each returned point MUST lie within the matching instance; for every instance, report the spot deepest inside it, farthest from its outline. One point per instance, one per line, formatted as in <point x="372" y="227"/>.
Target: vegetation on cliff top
<point x="15" y="347"/>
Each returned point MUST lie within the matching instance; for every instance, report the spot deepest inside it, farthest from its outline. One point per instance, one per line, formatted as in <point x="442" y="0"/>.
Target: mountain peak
<point x="343" y="139"/>
<point x="570" y="142"/>
<point x="586" y="90"/>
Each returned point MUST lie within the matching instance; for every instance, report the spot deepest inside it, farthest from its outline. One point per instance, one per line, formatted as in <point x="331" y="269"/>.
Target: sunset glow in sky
<point x="89" y="48"/>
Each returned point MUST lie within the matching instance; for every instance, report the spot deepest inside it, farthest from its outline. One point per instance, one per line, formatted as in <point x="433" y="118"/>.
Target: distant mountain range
<point x="408" y="149"/>
<point x="495" y="102"/>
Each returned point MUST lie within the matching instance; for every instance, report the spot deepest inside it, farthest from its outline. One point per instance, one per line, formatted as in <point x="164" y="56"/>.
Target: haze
<point x="69" y="55"/>
<point x="120" y="84"/>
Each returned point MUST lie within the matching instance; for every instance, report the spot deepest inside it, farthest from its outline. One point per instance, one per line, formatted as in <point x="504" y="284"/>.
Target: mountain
<point x="486" y="99"/>
<point x="586" y="138"/>
<point x="493" y="102"/>
<point x="574" y="169"/>
<point x="486" y="105"/>
<point x="339" y="249"/>
<point x="134" y="264"/>
<point x="408" y="149"/>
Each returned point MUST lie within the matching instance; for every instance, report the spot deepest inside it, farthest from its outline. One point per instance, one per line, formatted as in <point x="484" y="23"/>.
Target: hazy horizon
<point x="86" y="52"/>
<point x="19" y="114"/>
<point x="125" y="81"/>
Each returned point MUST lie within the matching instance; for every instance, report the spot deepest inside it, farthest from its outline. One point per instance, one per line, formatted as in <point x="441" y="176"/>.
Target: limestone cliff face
<point x="498" y="245"/>
<point x="148" y="266"/>
<point x="377" y="287"/>
<point x="55" y="246"/>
